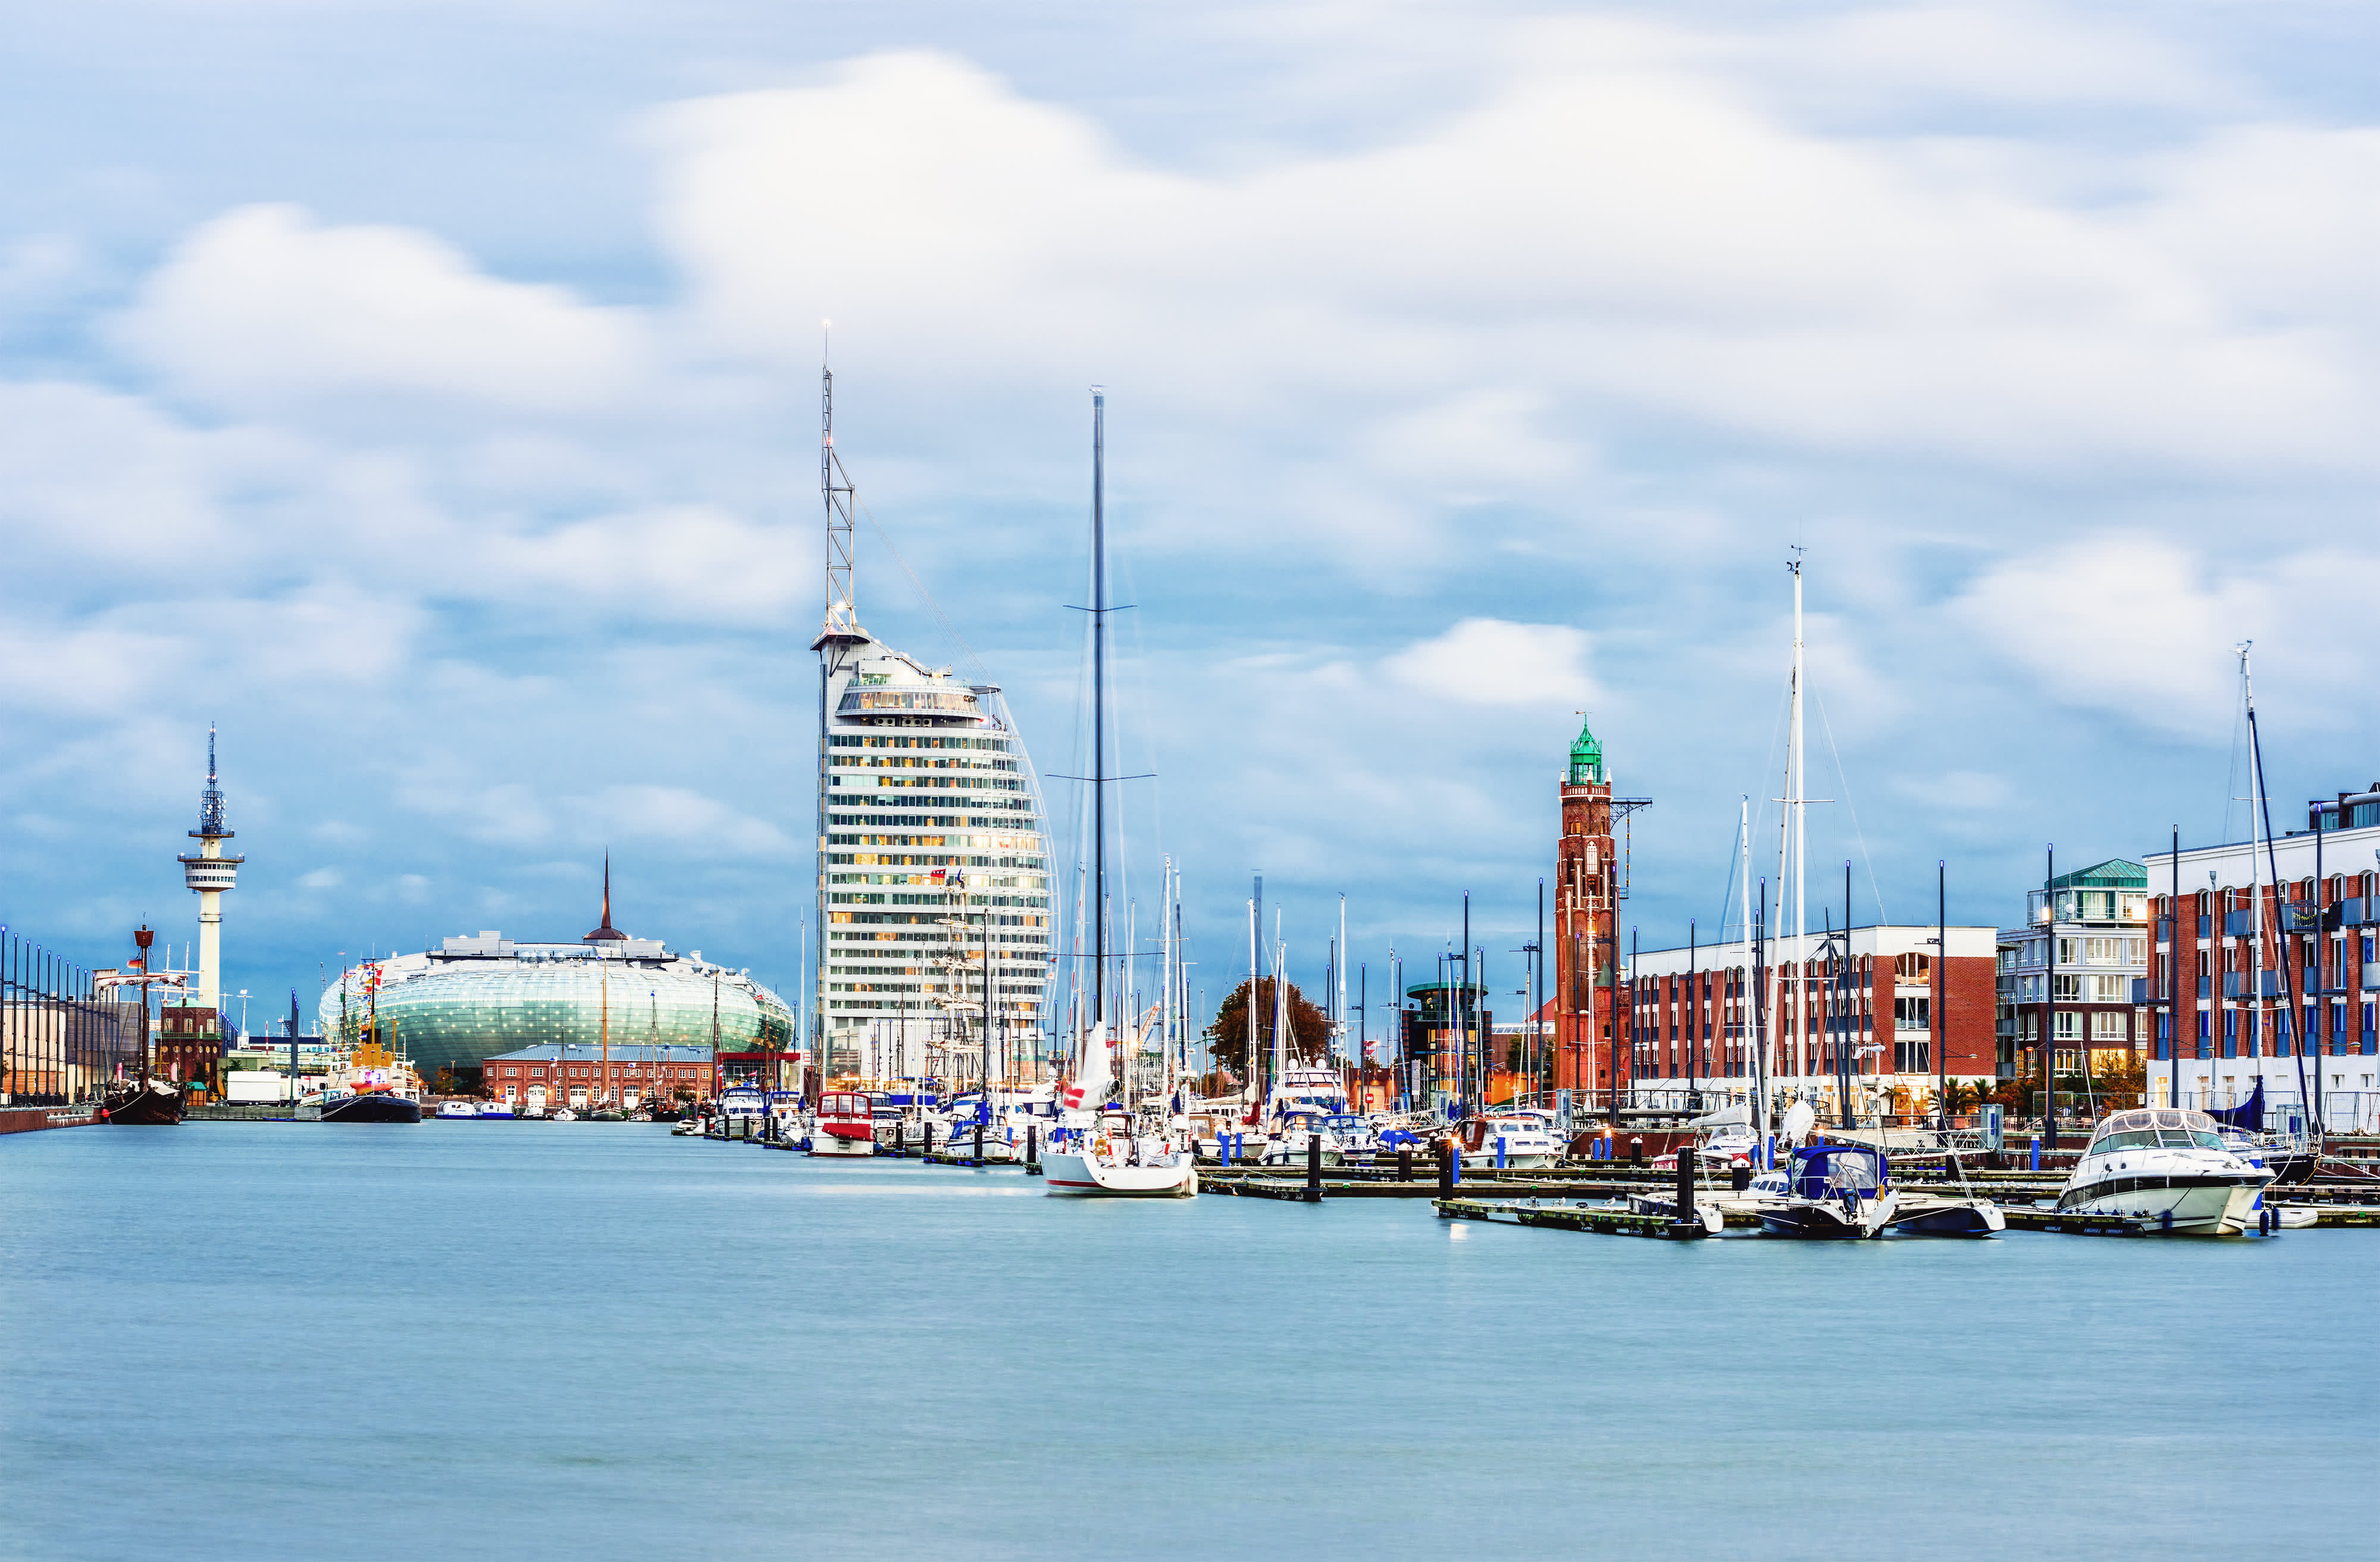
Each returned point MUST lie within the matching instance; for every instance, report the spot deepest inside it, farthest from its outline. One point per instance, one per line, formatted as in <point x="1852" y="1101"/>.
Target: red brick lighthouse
<point x="1587" y="925"/>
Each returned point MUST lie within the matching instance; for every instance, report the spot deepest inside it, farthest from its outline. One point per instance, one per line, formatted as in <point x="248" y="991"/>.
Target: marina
<point x="1439" y="1385"/>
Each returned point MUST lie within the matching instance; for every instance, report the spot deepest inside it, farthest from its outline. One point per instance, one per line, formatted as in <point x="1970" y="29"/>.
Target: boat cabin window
<point x="1831" y="1171"/>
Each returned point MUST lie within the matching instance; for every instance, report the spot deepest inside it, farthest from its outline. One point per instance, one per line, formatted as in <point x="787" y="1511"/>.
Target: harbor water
<point x="519" y="1339"/>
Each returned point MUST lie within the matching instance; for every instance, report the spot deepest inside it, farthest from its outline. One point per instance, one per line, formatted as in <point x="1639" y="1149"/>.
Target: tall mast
<point x="1743" y="851"/>
<point x="1098" y="705"/>
<point x="1797" y="810"/>
<point x="2264" y="822"/>
<point x="1339" y="970"/>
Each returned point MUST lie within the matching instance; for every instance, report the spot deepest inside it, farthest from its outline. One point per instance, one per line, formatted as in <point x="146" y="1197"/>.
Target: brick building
<point x="2220" y="996"/>
<point x="1690" y="1028"/>
<point x="633" y="1072"/>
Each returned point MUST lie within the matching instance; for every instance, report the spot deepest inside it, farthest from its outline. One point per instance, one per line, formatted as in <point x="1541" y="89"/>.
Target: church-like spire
<point x="1585" y="757"/>
<point x="607" y="930"/>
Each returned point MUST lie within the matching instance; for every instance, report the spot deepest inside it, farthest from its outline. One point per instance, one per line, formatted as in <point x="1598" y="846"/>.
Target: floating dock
<point x="1566" y="1216"/>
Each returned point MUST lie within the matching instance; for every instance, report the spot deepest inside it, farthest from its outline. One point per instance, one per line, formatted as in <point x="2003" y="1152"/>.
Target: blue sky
<point x="427" y="394"/>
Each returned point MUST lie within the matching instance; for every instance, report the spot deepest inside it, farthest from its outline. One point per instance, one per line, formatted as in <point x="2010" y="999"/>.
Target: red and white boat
<point x="846" y="1124"/>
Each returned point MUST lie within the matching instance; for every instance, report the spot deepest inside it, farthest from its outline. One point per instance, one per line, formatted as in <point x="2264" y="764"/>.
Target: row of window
<point x="882" y="740"/>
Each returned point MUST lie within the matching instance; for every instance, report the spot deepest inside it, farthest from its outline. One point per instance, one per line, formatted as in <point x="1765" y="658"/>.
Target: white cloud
<point x="1613" y="222"/>
<point x="264" y="308"/>
<point x="322" y="878"/>
<point x="1486" y="662"/>
<point x="2143" y="628"/>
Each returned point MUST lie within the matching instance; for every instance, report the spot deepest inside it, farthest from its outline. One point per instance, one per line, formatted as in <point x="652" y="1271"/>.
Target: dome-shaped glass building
<point x="457" y="1005"/>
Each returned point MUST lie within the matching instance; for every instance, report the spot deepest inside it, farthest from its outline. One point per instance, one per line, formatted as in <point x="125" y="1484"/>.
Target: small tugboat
<point x="376" y="1086"/>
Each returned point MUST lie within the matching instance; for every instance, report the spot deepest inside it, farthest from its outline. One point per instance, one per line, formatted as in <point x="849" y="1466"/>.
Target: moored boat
<point x="2167" y="1166"/>
<point x="1833" y="1192"/>
<point x="1107" y="1154"/>
<point x="846" y="1125"/>
<point x="144" y="1103"/>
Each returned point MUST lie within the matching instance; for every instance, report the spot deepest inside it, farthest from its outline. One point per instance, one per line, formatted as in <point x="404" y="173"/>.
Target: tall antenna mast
<point x="839" y="639"/>
<point x="841" y="617"/>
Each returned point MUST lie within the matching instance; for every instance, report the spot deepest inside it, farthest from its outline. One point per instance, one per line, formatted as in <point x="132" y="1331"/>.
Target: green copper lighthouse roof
<point x="1586" y="758"/>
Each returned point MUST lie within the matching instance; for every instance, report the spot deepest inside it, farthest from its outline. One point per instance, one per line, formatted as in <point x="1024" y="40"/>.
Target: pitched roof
<point x="2114" y="873"/>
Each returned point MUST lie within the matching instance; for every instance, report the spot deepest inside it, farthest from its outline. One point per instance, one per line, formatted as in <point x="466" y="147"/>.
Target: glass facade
<point x="456" y="1012"/>
<point x="934" y="849"/>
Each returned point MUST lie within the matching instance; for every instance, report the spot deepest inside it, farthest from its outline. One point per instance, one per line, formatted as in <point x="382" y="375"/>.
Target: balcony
<point x="2268" y="984"/>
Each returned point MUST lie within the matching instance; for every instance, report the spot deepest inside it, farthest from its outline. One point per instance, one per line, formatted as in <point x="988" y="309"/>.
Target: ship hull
<point x="1072" y="1173"/>
<point x="136" y="1106"/>
<point x="373" y="1108"/>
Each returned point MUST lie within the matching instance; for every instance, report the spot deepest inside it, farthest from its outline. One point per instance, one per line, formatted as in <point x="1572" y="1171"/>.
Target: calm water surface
<point x="522" y="1340"/>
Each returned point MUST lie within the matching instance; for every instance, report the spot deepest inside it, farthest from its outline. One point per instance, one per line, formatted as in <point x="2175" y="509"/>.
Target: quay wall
<point x="29" y="1119"/>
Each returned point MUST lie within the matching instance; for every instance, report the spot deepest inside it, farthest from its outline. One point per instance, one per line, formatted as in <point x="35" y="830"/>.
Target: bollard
<point x="1500" y="1162"/>
<point x="1405" y="1164"/>
<point x="1739" y="1176"/>
<point x="1447" y="1168"/>
<point x="1032" y="1145"/>
<point x="928" y="1124"/>
<point x="1684" y="1215"/>
<point x="2036" y="1151"/>
<point x="1312" y="1168"/>
<point x="978" y="1144"/>
<point x="1636" y="1152"/>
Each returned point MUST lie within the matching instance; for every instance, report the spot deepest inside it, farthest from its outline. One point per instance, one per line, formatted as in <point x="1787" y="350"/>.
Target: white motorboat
<point x="1523" y="1139"/>
<point x="562" y="1115"/>
<point x="496" y="1110"/>
<point x="457" y="1109"/>
<point x="1106" y="1155"/>
<point x="2167" y="1165"/>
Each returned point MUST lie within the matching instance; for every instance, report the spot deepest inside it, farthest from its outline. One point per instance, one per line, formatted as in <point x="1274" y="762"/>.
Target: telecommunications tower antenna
<point x="839" y="641"/>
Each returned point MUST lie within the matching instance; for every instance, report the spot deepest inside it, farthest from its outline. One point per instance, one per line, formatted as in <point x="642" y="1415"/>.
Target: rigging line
<point x="1873" y="888"/>
<point x="983" y="674"/>
<point x="1768" y="767"/>
<point x="2232" y="788"/>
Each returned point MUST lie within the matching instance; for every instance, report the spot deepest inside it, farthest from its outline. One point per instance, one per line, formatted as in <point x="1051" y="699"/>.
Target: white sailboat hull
<point x="1080" y="1174"/>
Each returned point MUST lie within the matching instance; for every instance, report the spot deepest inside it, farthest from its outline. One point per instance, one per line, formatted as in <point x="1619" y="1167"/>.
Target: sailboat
<point x="1100" y="1148"/>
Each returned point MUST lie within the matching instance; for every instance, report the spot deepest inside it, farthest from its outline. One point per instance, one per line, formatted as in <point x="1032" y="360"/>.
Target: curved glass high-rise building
<point x="933" y="870"/>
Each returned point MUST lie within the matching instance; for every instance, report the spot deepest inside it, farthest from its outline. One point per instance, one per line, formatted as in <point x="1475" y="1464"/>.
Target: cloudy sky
<point x="427" y="394"/>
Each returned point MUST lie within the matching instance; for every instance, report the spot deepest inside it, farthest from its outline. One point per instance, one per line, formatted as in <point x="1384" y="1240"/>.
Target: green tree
<point x="1309" y="1029"/>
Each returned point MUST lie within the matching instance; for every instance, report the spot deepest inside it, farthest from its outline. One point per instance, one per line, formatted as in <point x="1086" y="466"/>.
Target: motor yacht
<point x="2169" y="1166"/>
<point x="457" y="1109"/>
<point x="1516" y="1138"/>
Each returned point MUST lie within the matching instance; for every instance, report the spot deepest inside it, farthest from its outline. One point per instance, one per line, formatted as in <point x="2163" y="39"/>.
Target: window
<point x="1912" y="1014"/>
